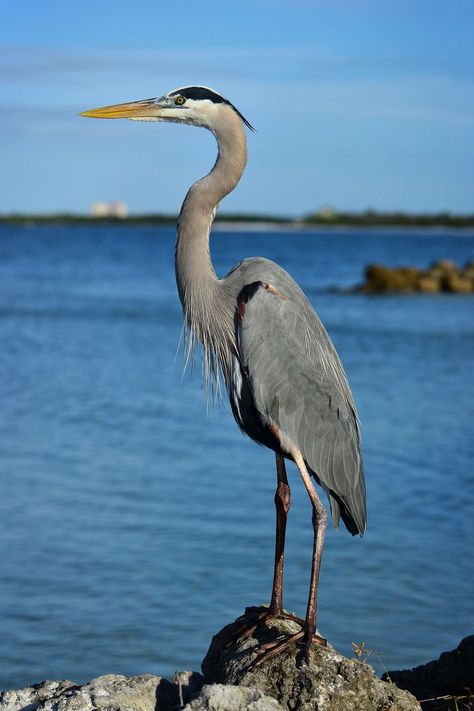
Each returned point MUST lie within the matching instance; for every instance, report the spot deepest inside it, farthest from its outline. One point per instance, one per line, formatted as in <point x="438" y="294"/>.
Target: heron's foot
<point x="310" y="638"/>
<point x="257" y="616"/>
<point x="273" y="649"/>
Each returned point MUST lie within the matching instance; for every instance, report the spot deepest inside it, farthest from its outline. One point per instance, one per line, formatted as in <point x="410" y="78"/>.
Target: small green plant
<point x="360" y="650"/>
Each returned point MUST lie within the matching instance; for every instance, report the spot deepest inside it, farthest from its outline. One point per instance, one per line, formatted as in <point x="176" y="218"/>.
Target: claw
<point x="266" y="651"/>
<point x="272" y="649"/>
<point x="246" y="629"/>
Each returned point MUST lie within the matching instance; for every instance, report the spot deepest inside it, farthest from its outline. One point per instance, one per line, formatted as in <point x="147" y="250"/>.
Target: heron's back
<point x="289" y="375"/>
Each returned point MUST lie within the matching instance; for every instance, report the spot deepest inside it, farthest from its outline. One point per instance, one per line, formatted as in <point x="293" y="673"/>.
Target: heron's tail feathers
<point x="352" y="509"/>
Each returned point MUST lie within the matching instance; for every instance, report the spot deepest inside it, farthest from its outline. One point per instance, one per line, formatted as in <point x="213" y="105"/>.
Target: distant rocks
<point x="441" y="276"/>
<point x="330" y="682"/>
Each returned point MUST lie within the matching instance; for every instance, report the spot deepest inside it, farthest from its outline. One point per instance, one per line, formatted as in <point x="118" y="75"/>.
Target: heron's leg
<point x="319" y="527"/>
<point x="307" y="634"/>
<point x="282" y="505"/>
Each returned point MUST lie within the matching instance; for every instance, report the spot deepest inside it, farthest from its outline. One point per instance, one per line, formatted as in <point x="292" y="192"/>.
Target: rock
<point x="139" y="693"/>
<point x="468" y="270"/>
<point x="457" y="284"/>
<point x="451" y="277"/>
<point x="31" y="697"/>
<point x="220" y="697"/>
<point x="443" y="275"/>
<point x="428" y="284"/>
<point x="443" y="267"/>
<point x="382" y="279"/>
<point x="330" y="682"/>
<point x="106" y="693"/>
<point x="450" y="675"/>
<point x="409" y="276"/>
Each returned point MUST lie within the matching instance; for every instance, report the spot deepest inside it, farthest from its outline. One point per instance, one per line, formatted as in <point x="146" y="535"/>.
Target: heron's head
<point x="196" y="105"/>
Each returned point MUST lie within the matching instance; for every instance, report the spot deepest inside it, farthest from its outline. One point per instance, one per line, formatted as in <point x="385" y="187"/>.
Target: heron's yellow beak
<point x="147" y="108"/>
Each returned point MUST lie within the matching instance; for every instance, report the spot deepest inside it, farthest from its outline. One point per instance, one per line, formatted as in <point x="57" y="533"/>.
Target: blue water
<point x="134" y="526"/>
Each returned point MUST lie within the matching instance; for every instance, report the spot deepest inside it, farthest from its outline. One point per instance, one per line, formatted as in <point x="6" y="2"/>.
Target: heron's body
<point x="298" y="387"/>
<point x="285" y="382"/>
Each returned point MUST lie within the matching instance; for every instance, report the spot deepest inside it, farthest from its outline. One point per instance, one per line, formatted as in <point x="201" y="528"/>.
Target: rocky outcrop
<point x="446" y="683"/>
<point x="441" y="276"/>
<point x="232" y="682"/>
<point x="330" y="682"/>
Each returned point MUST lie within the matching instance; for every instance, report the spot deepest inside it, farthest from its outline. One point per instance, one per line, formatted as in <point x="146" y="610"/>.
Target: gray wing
<point x="298" y="383"/>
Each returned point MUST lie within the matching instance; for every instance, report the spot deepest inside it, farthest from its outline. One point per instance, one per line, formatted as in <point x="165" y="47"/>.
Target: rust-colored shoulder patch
<point x="249" y="291"/>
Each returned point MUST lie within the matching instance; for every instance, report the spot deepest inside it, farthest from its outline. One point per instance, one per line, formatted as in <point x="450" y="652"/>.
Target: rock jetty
<point x="329" y="682"/>
<point x="441" y="276"/>
<point x="446" y="683"/>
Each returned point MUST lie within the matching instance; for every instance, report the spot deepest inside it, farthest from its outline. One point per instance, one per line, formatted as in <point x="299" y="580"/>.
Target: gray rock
<point x="139" y="693"/>
<point x="31" y="697"/>
<point x="220" y="697"/>
<point x="330" y="682"/>
<point x="106" y="693"/>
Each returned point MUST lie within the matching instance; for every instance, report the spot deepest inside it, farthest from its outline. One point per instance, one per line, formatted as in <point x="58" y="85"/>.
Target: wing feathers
<point x="298" y="383"/>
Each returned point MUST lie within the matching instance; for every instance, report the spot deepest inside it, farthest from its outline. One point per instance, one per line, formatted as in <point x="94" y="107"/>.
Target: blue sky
<point x="357" y="104"/>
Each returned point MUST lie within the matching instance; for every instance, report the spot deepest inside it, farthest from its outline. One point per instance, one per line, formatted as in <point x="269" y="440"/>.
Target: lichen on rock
<point x="226" y="697"/>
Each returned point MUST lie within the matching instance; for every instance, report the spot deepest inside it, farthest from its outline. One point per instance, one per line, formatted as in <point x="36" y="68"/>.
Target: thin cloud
<point x="27" y="64"/>
<point x="435" y="99"/>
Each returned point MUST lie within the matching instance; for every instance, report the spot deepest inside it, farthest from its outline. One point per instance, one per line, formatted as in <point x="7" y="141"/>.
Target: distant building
<point x="109" y="209"/>
<point x="326" y="212"/>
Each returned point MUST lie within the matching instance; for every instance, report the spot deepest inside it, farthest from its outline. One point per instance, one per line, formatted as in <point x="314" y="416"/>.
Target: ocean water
<point x="134" y="524"/>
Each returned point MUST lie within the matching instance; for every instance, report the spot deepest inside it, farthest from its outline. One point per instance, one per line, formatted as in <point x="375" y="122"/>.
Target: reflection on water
<point x="134" y="525"/>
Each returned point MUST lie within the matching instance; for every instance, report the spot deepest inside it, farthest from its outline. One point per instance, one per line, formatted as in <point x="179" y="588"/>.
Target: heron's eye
<point x="179" y="100"/>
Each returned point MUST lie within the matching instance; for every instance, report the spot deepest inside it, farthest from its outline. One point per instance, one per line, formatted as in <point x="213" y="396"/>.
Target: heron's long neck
<point x="207" y="307"/>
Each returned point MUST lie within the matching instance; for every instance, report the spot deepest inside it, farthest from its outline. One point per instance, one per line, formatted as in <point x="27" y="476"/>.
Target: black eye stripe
<point x="199" y="93"/>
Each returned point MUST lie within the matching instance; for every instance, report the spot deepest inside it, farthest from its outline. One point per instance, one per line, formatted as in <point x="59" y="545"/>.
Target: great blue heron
<point x="286" y="385"/>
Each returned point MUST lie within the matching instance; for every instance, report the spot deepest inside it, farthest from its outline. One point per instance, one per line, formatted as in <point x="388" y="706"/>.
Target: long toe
<point x="275" y="649"/>
<point x="262" y="615"/>
<point x="248" y="624"/>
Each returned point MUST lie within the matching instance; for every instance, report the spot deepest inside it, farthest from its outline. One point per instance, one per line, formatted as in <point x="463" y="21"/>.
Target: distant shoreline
<point x="341" y="219"/>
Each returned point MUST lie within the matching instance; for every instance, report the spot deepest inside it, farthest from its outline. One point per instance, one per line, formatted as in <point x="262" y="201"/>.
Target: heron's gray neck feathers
<point x="207" y="305"/>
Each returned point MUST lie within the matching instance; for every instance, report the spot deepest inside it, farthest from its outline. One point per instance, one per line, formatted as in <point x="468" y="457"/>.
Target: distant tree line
<point x="325" y="217"/>
<point x="372" y="217"/>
